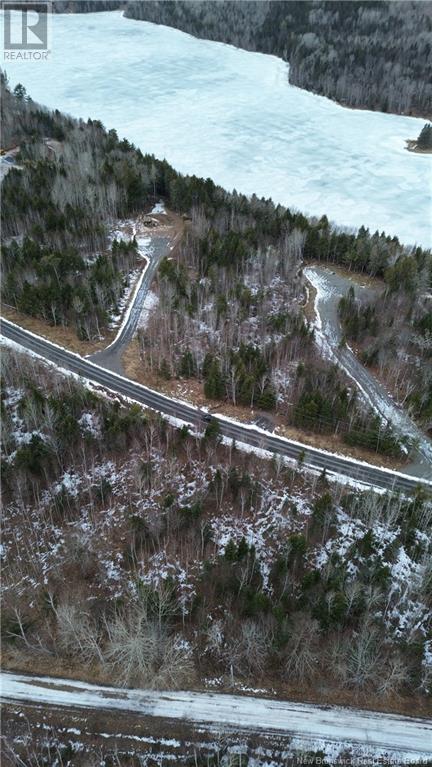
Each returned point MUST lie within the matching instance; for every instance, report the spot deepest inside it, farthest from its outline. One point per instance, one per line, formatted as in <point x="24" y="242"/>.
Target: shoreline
<point x="411" y="146"/>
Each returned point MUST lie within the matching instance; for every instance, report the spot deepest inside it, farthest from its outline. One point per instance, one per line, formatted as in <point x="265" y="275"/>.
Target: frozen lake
<point x="216" y="111"/>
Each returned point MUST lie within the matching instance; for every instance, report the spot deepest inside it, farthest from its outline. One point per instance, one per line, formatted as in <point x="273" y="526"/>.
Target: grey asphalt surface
<point x="370" y="389"/>
<point x="250" y="435"/>
<point x="110" y="357"/>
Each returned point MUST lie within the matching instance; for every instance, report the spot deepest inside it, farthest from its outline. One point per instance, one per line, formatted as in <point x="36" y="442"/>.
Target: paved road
<point x="407" y="735"/>
<point x="330" y="288"/>
<point x="111" y="356"/>
<point x="245" y="433"/>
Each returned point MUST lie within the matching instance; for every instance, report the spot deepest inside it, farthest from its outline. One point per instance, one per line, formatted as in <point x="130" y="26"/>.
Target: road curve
<point x="335" y="724"/>
<point x="367" y="474"/>
<point x="111" y="357"/>
<point x="330" y="288"/>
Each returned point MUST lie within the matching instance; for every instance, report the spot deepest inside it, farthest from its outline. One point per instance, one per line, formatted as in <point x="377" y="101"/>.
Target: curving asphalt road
<point x="409" y="737"/>
<point x="111" y="357"/>
<point x="330" y="288"/>
<point x="341" y="466"/>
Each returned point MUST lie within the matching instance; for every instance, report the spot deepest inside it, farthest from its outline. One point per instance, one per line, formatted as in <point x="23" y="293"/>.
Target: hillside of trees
<point x="157" y="557"/>
<point x="71" y="182"/>
<point x="393" y="335"/>
<point x="239" y="276"/>
<point x="230" y="318"/>
<point x="374" y="55"/>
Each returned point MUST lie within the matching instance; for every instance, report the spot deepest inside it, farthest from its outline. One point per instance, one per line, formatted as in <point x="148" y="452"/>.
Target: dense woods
<point x="394" y="334"/>
<point x="157" y="557"/>
<point x="236" y="292"/>
<point x="230" y="317"/>
<point x="364" y="54"/>
<point x="71" y="181"/>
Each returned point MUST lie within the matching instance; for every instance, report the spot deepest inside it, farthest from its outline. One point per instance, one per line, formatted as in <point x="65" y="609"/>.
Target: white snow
<point x="145" y="251"/>
<point x="158" y="208"/>
<point x="150" y="302"/>
<point x="135" y="279"/>
<point x="70" y="483"/>
<point x="220" y="112"/>
<point x="405" y="615"/>
<point x="90" y="424"/>
<point x="409" y="737"/>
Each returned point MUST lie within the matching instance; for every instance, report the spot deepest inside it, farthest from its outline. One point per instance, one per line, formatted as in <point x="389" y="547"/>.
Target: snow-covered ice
<point x="218" y="111"/>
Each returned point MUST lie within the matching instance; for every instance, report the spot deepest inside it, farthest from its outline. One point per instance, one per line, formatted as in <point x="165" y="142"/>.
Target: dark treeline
<point x="60" y="287"/>
<point x="107" y="494"/>
<point x="71" y="180"/>
<point x="363" y="54"/>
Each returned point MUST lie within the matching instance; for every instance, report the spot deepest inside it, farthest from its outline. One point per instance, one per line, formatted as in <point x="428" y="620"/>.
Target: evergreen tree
<point x="424" y="140"/>
<point x="164" y="370"/>
<point x="214" y="384"/>
<point x="20" y="92"/>
<point x="187" y="365"/>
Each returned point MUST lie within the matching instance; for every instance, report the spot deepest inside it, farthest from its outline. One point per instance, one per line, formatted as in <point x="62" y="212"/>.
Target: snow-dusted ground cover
<point x="270" y="520"/>
<point x="247" y="556"/>
<point x="7" y="161"/>
<point x="332" y="729"/>
<point x="159" y="208"/>
<point x="125" y="231"/>
<point x="170" y="332"/>
<point x="217" y="111"/>
<point x="150" y="303"/>
<point x="101" y="497"/>
<point x="328" y="334"/>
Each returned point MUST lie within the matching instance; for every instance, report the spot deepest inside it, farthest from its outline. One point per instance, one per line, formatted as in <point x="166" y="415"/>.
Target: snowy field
<point x="217" y="111"/>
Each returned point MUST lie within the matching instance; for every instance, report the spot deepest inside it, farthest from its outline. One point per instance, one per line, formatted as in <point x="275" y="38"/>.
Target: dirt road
<point x="407" y="736"/>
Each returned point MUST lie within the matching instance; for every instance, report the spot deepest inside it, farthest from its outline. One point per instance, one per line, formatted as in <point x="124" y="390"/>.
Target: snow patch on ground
<point x="150" y="302"/>
<point x="330" y="728"/>
<point x="159" y="208"/>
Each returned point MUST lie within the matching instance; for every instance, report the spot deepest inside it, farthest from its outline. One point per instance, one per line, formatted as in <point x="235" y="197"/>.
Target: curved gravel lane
<point x="330" y="288"/>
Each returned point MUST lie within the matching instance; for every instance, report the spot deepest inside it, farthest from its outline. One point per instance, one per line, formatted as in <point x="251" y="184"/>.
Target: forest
<point x="393" y="335"/>
<point x="155" y="556"/>
<point x="230" y="317"/>
<point x="239" y="276"/>
<point x="71" y="182"/>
